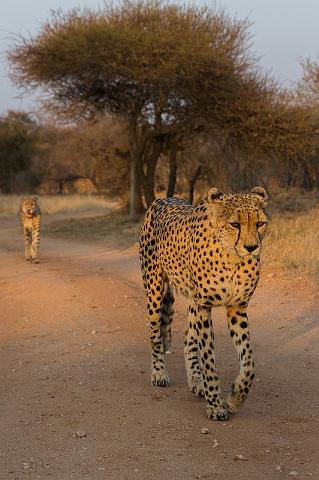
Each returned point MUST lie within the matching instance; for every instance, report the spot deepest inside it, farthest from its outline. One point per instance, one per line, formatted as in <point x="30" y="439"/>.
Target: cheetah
<point x="211" y="254"/>
<point x="30" y="218"/>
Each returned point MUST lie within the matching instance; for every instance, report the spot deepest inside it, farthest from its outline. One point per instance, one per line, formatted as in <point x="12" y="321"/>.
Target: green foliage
<point x="17" y="142"/>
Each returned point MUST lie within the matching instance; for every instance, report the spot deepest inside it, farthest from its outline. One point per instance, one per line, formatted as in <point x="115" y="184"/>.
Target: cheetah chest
<point x="27" y="223"/>
<point x="212" y="277"/>
<point x="226" y="284"/>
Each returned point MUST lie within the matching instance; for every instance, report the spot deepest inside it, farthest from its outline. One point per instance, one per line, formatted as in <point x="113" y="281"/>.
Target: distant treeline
<point x="95" y="158"/>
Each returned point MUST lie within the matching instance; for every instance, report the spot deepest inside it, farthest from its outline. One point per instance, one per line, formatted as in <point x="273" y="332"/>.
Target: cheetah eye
<point x="235" y="224"/>
<point x="260" y="224"/>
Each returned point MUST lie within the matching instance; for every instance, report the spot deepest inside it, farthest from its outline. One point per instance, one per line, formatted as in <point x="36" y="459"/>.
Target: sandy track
<point x="75" y="356"/>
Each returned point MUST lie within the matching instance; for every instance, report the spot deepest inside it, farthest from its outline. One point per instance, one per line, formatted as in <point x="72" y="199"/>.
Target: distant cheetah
<point x="211" y="253"/>
<point x="30" y="218"/>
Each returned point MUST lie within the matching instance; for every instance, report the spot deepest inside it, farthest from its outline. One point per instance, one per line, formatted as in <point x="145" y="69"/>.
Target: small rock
<point x="80" y="433"/>
<point x="94" y="332"/>
<point x="267" y="450"/>
<point x="278" y="468"/>
<point x="293" y="473"/>
<point x="215" y="443"/>
<point x="204" y="430"/>
<point x="240" y="457"/>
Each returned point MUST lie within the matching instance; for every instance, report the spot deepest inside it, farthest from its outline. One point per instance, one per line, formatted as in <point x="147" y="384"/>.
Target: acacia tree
<point x="164" y="68"/>
<point x="167" y="70"/>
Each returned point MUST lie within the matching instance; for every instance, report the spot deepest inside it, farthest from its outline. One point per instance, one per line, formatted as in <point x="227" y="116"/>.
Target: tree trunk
<point x="133" y="187"/>
<point x="152" y="155"/>
<point x="136" y="202"/>
<point x="192" y="182"/>
<point x="308" y="181"/>
<point x="172" y="171"/>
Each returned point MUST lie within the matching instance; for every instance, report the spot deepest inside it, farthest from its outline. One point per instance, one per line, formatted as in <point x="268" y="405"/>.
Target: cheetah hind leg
<point x="166" y="320"/>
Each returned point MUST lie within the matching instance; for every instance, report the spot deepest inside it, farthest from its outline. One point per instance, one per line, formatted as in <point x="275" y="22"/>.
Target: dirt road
<point x="76" y="400"/>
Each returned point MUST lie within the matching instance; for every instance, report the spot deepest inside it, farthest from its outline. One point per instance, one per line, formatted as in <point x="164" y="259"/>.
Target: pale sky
<point x="283" y="31"/>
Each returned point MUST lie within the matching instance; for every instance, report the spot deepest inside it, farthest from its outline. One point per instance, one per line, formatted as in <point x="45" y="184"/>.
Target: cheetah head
<point x="29" y="206"/>
<point x="240" y="219"/>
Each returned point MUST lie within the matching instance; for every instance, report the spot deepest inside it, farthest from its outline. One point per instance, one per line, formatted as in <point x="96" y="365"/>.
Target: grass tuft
<point x="58" y="204"/>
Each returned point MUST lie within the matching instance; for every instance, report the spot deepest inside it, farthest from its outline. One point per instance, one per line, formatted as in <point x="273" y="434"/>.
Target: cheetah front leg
<point x="35" y="241"/>
<point x="155" y="293"/>
<point x="191" y="354"/>
<point x="204" y="329"/>
<point x="27" y="244"/>
<point x="238" y="328"/>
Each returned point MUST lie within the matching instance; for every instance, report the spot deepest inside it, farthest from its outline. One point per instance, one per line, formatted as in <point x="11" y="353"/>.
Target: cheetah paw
<point x="218" y="413"/>
<point x="233" y="403"/>
<point x="159" y="378"/>
<point x="197" y="387"/>
<point x="196" y="384"/>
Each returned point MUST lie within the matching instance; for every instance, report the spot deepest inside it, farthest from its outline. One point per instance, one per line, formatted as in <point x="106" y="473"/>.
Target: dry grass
<point x="114" y="229"/>
<point x="293" y="242"/>
<point x="292" y="200"/>
<point x="52" y="205"/>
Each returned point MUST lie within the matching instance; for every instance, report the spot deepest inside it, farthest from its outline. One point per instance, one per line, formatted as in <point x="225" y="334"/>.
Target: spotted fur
<point x="30" y="218"/>
<point x="211" y="253"/>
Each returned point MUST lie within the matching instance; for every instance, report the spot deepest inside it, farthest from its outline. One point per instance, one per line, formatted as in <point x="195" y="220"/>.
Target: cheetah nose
<point x="251" y="248"/>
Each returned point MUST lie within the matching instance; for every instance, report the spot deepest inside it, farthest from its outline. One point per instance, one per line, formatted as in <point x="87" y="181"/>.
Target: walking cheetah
<point x="211" y="253"/>
<point x="30" y="218"/>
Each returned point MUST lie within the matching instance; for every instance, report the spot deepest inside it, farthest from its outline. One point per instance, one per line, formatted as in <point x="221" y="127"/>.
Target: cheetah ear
<point x="214" y="195"/>
<point x="261" y="192"/>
